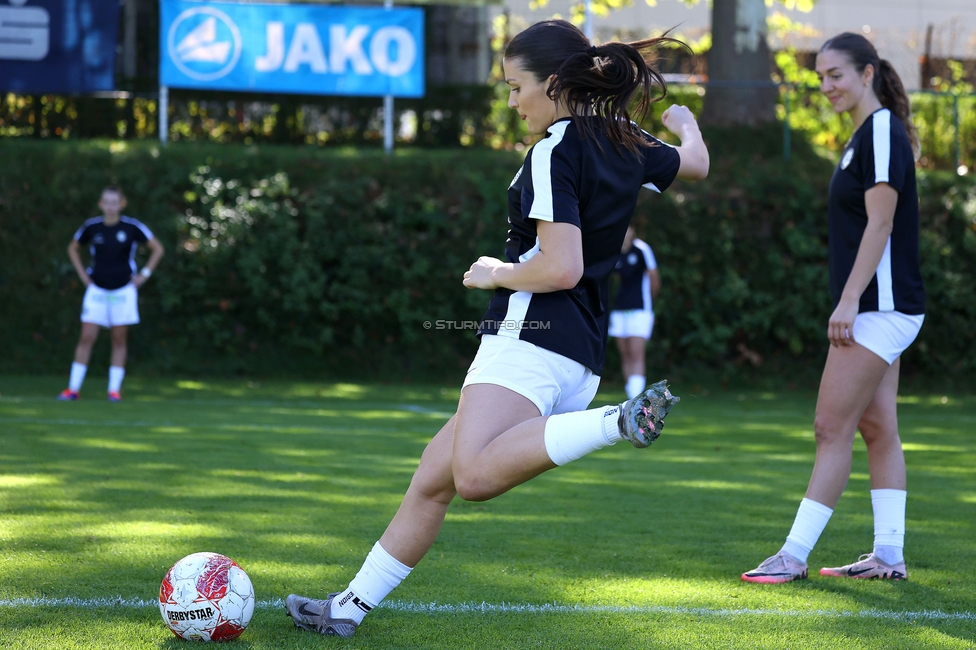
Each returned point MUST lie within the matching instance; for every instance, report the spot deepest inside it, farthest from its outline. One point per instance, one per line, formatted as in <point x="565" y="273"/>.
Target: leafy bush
<point x="328" y="262"/>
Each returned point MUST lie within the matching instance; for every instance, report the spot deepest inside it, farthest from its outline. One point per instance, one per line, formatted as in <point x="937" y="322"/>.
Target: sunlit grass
<point x="297" y="480"/>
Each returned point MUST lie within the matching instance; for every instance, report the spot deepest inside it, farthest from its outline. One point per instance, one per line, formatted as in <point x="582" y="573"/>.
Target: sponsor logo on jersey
<point x="514" y="180"/>
<point x="846" y="160"/>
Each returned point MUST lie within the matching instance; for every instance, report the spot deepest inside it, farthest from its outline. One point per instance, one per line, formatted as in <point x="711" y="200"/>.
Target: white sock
<point x="889" y="524"/>
<point x="570" y="436"/>
<point x="635" y="385"/>
<point x="811" y="519"/>
<point x="380" y="575"/>
<point x="115" y="376"/>
<point x="77" y="378"/>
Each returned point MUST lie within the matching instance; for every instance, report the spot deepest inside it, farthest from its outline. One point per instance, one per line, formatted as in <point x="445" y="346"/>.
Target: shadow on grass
<point x="297" y="481"/>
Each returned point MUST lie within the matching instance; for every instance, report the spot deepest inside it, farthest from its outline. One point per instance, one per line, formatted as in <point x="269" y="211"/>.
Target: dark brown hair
<point x="114" y="188"/>
<point x="886" y="84"/>
<point x="603" y="80"/>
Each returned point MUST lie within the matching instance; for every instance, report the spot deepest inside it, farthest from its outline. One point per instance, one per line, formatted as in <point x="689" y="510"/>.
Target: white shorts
<point x="554" y="383"/>
<point x="886" y="333"/>
<point x="109" y="308"/>
<point x="631" y="322"/>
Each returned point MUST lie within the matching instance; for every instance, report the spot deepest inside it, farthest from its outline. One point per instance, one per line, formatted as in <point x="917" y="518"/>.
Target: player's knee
<point x="828" y="430"/>
<point x="472" y="485"/>
<point x="432" y="485"/>
<point x="876" y="430"/>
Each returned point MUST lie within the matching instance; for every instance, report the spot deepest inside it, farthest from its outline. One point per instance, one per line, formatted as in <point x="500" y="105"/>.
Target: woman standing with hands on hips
<point x="112" y="283"/>
<point x="521" y="407"/>
<point x="879" y="305"/>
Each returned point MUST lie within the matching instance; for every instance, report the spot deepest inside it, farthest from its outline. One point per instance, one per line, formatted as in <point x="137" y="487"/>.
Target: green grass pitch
<point x="623" y="549"/>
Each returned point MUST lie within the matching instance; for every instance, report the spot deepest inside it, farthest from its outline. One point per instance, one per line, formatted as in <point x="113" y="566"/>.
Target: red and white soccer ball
<point x="206" y="597"/>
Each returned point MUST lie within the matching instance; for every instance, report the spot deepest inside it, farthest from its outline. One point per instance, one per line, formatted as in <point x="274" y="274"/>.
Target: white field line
<point x="527" y="608"/>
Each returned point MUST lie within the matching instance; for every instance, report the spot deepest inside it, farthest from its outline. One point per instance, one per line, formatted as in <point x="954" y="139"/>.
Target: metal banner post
<point x="163" y="114"/>
<point x="388" y="107"/>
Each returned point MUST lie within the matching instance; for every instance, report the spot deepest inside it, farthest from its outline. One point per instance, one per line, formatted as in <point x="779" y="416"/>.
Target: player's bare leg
<point x="89" y="334"/>
<point x="879" y="428"/>
<point x="418" y="521"/>
<point x="86" y="341"/>
<point x="116" y="372"/>
<point x="493" y="454"/>
<point x="120" y="345"/>
<point x="851" y="379"/>
<point x="632" y="352"/>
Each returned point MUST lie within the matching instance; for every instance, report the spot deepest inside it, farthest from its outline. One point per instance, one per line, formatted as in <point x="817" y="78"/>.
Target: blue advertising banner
<point x="305" y="49"/>
<point x="58" y="46"/>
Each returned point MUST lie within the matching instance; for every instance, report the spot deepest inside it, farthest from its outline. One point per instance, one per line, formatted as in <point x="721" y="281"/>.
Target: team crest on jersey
<point x="120" y="235"/>
<point x="514" y="180"/>
<point x="632" y="259"/>
<point x="846" y="160"/>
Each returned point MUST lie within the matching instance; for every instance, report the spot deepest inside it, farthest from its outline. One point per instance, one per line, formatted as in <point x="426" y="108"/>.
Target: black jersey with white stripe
<point x="635" y="287"/>
<point x="589" y="183"/>
<point x="878" y="152"/>
<point x="113" y="249"/>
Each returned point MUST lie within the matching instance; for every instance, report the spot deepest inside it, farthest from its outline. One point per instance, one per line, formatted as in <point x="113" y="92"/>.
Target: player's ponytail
<point x="887" y="84"/>
<point x="891" y="92"/>
<point x="604" y="80"/>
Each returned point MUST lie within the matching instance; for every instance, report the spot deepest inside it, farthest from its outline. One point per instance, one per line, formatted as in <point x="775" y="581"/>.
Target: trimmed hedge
<point x="327" y="263"/>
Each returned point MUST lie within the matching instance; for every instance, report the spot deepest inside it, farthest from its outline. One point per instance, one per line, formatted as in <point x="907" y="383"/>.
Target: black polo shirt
<point x="113" y="249"/>
<point x="878" y="152"/>
<point x="586" y="182"/>
<point x="635" y="287"/>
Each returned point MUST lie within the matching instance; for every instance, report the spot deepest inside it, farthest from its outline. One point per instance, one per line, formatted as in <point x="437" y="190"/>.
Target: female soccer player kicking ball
<point x="879" y="305"/>
<point x="521" y="407"/>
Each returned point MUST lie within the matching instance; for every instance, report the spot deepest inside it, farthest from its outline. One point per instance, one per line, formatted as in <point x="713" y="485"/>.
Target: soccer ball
<point x="206" y="597"/>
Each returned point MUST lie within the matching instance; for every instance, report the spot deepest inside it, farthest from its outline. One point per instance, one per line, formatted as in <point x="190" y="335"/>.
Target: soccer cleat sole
<point x="773" y="579"/>
<point x="641" y="419"/>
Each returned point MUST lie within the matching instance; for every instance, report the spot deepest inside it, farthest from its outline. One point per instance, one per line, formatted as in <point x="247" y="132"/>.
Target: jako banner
<point x="58" y="46"/>
<point x="305" y="49"/>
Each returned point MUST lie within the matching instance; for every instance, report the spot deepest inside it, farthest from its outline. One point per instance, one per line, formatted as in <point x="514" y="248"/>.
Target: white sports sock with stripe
<point x="569" y="436"/>
<point x="380" y="574"/>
